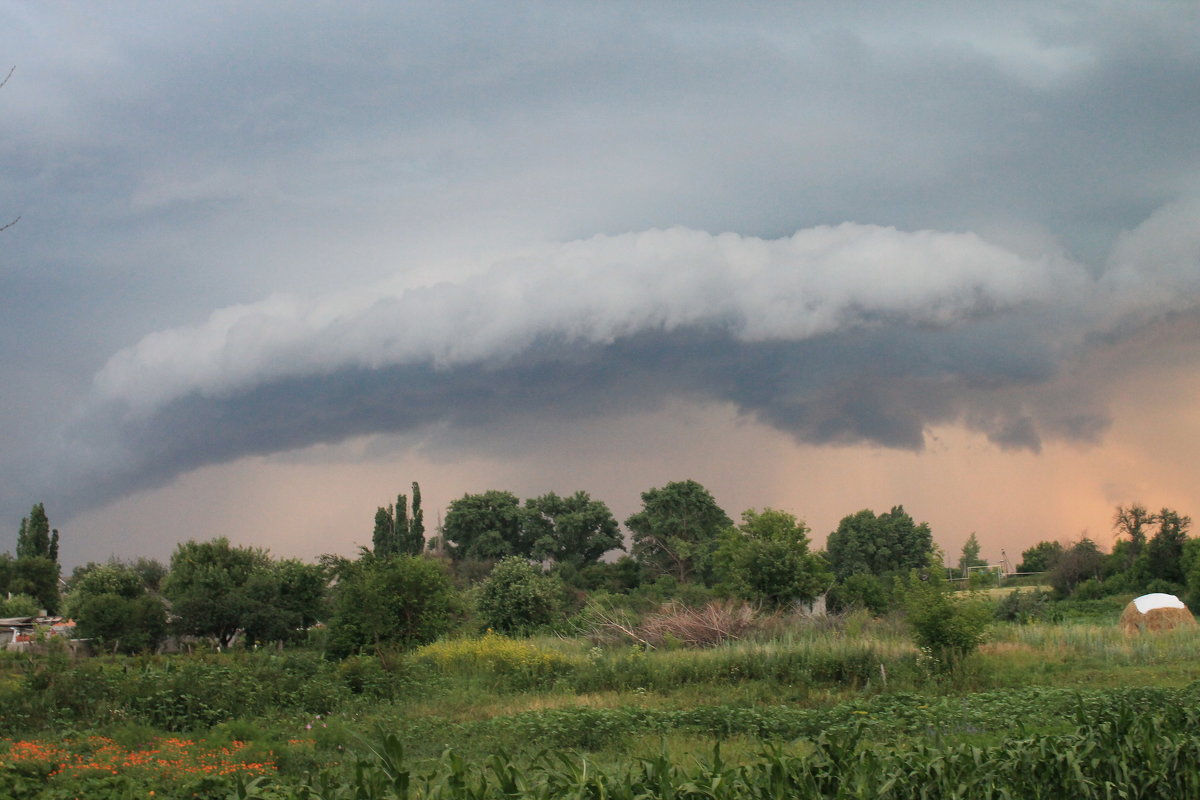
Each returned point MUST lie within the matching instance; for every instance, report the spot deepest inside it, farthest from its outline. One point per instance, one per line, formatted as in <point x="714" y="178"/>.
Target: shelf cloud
<point x="836" y="334"/>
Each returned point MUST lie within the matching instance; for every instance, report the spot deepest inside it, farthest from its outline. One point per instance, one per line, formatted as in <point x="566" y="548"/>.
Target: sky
<point x="272" y="262"/>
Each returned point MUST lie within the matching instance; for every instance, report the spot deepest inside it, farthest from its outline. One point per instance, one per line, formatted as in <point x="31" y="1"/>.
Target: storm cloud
<point x="847" y="334"/>
<point x="253" y="228"/>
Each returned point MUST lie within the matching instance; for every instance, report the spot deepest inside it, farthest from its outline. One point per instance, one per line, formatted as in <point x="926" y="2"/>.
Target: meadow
<point x="839" y="707"/>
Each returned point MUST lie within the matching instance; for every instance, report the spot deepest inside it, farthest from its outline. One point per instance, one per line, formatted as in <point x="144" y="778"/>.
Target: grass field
<point x="855" y="696"/>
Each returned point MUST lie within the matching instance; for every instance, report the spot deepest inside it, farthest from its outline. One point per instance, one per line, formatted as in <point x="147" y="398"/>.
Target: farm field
<point x="845" y="708"/>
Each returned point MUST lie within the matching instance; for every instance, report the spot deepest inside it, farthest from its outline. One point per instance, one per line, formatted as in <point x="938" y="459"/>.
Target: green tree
<point x="404" y="601"/>
<point x="1191" y="572"/>
<point x="518" y="598"/>
<point x="1132" y="522"/>
<point x="286" y="599"/>
<point x="677" y="530"/>
<point x="970" y="556"/>
<point x="34" y="576"/>
<point x="35" y="539"/>
<point x="1164" y="552"/>
<point x="1080" y="562"/>
<point x="861" y="590"/>
<point x="207" y="586"/>
<point x="152" y="572"/>
<point x="878" y="545"/>
<point x="385" y="531"/>
<point x="1040" y="558"/>
<point x="112" y="607"/>
<point x="486" y="527"/>
<point x="575" y="530"/>
<point x="19" y="605"/>
<point x="413" y="543"/>
<point x="766" y="559"/>
<point x="395" y="533"/>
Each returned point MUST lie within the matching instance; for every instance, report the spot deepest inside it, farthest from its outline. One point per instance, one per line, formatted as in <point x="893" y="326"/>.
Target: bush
<point x="947" y="626"/>
<point x="20" y="605"/>
<point x="518" y="598"/>
<point x="1024" y="607"/>
<point x="404" y="601"/>
<point x="861" y="590"/>
<point x="1165" y="587"/>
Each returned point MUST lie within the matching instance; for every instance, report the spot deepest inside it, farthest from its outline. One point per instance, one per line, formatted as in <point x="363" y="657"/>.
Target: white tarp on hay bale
<point x="1155" y="612"/>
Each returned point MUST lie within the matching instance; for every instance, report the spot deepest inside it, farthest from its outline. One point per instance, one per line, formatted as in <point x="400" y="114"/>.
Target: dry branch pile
<point x="705" y="626"/>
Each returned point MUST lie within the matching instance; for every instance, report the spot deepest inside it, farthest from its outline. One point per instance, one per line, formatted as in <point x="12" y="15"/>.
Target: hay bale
<point x="1155" y="612"/>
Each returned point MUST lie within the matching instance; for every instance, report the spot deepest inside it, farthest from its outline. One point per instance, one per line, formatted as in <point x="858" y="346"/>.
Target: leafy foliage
<point x="486" y="526"/>
<point x="970" y="556"/>
<point x="766" y="560"/>
<point x="395" y="533"/>
<point x="287" y="598"/>
<point x="404" y="601"/>
<point x="517" y="598"/>
<point x="948" y="626"/>
<point x="878" y="545"/>
<point x="1040" y="558"/>
<point x="1119" y="748"/>
<point x="1081" y="561"/>
<point x="1132" y="521"/>
<point x="677" y="530"/>
<point x="862" y="590"/>
<point x="1164" y="552"/>
<point x="35" y="571"/>
<point x="33" y="576"/>
<point x="19" y="605"/>
<point x="111" y="606"/>
<point x="35" y="539"/>
<point x="575" y="530"/>
<point x="212" y="587"/>
<point x="518" y="664"/>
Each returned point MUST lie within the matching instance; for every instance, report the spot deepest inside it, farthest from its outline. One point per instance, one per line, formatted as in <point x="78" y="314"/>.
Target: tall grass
<point x="1102" y="644"/>
<point x="801" y="657"/>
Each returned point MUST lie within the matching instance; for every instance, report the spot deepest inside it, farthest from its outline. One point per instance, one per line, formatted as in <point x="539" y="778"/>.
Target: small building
<point x="21" y="633"/>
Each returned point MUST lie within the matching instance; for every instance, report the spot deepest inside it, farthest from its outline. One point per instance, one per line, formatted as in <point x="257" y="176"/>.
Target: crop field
<point x="851" y="709"/>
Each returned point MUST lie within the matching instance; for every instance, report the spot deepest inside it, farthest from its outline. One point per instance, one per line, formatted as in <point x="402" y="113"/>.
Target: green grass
<point x="615" y="704"/>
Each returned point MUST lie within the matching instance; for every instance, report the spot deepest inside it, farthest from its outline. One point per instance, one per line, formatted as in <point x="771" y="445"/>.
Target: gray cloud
<point x="172" y="159"/>
<point x="841" y="335"/>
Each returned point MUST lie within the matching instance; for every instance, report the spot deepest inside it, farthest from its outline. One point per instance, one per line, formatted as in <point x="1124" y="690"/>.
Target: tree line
<point x="1152" y="552"/>
<point x="498" y="562"/>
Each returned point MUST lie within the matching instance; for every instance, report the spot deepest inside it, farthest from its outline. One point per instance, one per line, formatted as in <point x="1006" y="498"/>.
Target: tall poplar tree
<point x="385" y="524"/>
<point x="35" y="571"/>
<point x="395" y="533"/>
<point x="416" y="527"/>
<point x="34" y="539"/>
<point x="400" y="527"/>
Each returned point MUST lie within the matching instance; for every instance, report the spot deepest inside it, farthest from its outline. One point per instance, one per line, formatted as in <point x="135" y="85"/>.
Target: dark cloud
<point x="168" y="160"/>
<point x="845" y="335"/>
<point x="840" y="389"/>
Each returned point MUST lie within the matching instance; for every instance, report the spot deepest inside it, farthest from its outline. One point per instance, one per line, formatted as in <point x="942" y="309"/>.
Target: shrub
<point x="1024" y="607"/>
<point x="947" y="626"/>
<point x="20" y="605"/>
<point x="861" y="590"/>
<point x="1165" y="587"/>
<point x="518" y="598"/>
<point x="403" y="600"/>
